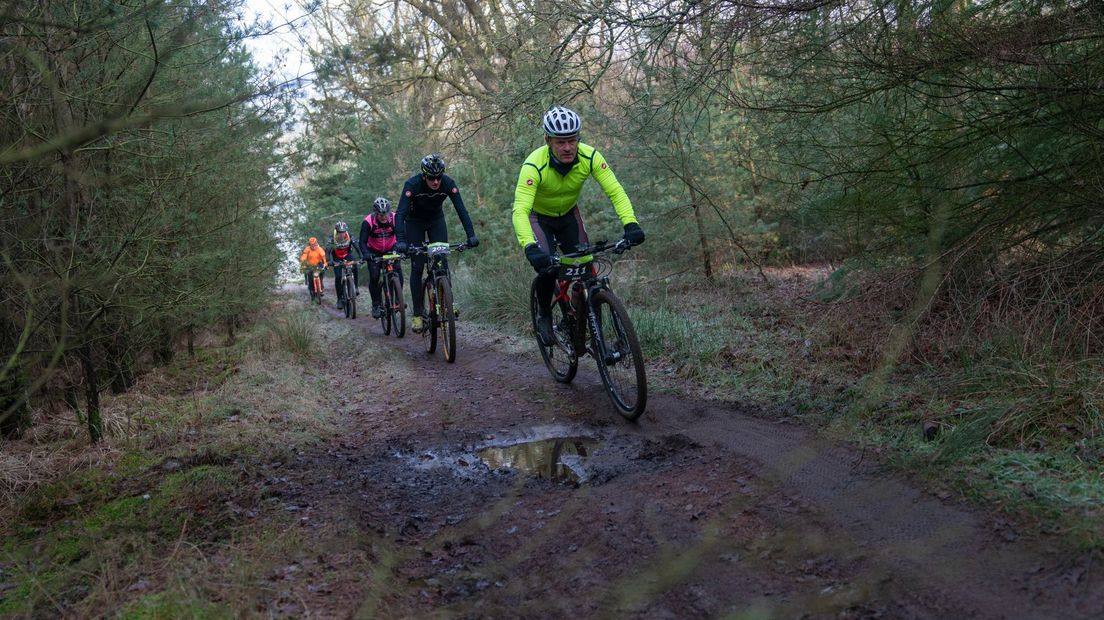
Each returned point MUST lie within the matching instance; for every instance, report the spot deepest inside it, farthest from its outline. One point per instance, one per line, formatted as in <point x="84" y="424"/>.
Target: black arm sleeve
<point x="365" y="233"/>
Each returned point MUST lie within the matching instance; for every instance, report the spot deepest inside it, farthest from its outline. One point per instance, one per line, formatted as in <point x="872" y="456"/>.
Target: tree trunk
<point x="163" y="346"/>
<point x="91" y="393"/>
<point x="69" y="395"/>
<point x="121" y="361"/>
<point x="14" y="412"/>
<point x="707" y="256"/>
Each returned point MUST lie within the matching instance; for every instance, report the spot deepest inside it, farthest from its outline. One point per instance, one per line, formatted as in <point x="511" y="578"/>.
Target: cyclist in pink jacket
<point x="377" y="237"/>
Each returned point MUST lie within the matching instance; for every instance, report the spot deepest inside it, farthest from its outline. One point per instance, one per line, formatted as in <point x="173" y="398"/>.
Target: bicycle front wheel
<point x="429" y="306"/>
<point x="559" y="355"/>
<point x="447" y="318"/>
<point x="385" y="316"/>
<point x="350" y="298"/>
<point x="396" y="309"/>
<point x="617" y="351"/>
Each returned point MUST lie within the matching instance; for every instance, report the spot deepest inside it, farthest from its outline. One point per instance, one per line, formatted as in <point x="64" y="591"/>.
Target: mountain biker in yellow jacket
<point x="312" y="255"/>
<point x="546" y="210"/>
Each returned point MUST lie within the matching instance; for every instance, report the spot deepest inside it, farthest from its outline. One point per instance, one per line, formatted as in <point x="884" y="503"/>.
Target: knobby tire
<point x="447" y="318"/>
<point x="624" y="379"/>
<point x="397" y="309"/>
<point x="429" y="307"/>
<point x="385" y="317"/>
<point x="350" y="298"/>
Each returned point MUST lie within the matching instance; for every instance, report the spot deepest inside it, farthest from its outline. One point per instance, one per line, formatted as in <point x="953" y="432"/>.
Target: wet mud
<point x="501" y="493"/>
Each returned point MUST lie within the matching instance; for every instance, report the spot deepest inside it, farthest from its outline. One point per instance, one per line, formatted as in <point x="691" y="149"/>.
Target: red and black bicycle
<point x="589" y="319"/>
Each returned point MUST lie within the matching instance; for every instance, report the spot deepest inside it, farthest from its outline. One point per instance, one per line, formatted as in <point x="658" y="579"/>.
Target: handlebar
<point x="602" y="247"/>
<point x="421" y="249"/>
<point x="390" y="256"/>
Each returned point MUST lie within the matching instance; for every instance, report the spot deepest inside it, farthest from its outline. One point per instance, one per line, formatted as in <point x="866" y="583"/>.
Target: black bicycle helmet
<point x="561" y="122"/>
<point x="433" y="165"/>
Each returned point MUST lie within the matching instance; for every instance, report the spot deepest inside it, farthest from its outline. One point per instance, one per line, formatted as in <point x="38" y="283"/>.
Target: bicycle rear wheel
<point x="396" y="309"/>
<point x="559" y="356"/>
<point x="385" y="316"/>
<point x="429" y="306"/>
<point x="620" y="361"/>
<point x="447" y="318"/>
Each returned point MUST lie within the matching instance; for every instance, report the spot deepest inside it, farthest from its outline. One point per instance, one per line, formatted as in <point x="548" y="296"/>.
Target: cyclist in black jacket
<point x="421" y="219"/>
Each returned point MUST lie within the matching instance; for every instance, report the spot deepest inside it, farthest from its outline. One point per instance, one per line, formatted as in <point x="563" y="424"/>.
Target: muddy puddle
<point x="559" y="459"/>
<point x="550" y="453"/>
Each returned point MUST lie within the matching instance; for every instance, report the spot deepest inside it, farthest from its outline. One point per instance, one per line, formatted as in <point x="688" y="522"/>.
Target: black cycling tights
<point x="417" y="232"/>
<point x="567" y="231"/>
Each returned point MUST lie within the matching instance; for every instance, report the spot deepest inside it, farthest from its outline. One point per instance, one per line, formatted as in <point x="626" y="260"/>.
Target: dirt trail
<point x="700" y="510"/>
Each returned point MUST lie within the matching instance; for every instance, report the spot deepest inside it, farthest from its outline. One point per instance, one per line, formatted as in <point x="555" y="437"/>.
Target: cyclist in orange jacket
<point x="312" y="255"/>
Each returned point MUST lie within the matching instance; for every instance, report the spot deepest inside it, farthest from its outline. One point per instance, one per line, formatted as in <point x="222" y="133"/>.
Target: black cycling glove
<point x="538" y="258"/>
<point x="634" y="234"/>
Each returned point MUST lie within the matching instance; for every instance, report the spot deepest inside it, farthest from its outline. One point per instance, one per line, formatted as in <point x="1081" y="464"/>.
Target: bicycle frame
<point x="394" y="310"/>
<point x="576" y="284"/>
<point x="348" y="286"/>
<point x="347" y="275"/>
<point x="588" y="318"/>
<point x="316" y="283"/>
<point x="437" y="253"/>
<point x="437" y="295"/>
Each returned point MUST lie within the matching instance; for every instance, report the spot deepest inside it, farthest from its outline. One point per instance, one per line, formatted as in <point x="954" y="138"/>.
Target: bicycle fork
<point x="600" y="351"/>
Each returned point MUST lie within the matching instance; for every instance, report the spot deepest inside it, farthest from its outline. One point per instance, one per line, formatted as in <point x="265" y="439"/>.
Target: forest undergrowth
<point x="160" y="519"/>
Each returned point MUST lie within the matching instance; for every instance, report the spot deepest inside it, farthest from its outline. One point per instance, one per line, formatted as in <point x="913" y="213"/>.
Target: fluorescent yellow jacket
<point x="543" y="190"/>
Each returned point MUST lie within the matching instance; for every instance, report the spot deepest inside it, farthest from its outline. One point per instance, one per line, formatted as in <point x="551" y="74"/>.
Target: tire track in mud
<point x="907" y="552"/>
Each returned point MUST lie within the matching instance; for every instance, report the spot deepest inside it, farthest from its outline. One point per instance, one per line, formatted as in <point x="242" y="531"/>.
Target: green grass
<point x="132" y="537"/>
<point x="294" y="332"/>
<point x="173" y="605"/>
<point x="665" y="334"/>
<point x="501" y="299"/>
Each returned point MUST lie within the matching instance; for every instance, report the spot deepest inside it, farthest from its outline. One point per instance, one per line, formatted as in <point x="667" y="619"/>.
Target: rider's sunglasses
<point x="431" y="178"/>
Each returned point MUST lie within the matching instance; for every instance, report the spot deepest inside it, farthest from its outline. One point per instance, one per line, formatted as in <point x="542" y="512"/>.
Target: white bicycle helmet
<point x="381" y="206"/>
<point x="561" y="122"/>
